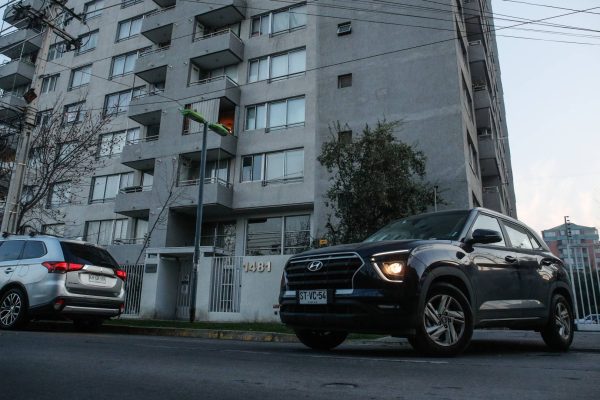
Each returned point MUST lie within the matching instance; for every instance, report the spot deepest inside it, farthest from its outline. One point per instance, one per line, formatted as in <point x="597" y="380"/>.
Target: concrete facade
<point x="583" y="250"/>
<point x="435" y="69"/>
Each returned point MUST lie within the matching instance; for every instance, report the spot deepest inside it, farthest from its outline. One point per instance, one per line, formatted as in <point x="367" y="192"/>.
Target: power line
<point x="549" y="6"/>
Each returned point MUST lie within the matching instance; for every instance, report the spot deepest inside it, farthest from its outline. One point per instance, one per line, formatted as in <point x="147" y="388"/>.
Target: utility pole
<point x="568" y="235"/>
<point x="15" y="190"/>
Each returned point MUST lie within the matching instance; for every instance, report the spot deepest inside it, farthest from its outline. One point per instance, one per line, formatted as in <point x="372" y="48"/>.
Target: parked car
<point x="431" y="278"/>
<point x="49" y="277"/>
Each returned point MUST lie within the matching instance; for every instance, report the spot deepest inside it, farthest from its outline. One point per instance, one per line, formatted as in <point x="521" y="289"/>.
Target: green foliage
<point x="375" y="179"/>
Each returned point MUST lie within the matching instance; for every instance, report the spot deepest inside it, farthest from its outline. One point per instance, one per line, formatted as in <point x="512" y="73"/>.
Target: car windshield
<point x="87" y="254"/>
<point x="435" y="226"/>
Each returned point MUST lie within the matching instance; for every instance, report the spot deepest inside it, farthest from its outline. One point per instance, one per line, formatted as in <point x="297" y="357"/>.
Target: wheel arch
<point x="449" y="275"/>
<point x="15" y="285"/>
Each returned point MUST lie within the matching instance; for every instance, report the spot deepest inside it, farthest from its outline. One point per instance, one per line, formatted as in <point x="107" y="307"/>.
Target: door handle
<point x="7" y="270"/>
<point x="510" y="259"/>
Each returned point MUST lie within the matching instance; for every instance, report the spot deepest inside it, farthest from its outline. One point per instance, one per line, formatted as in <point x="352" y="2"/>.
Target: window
<point x="113" y="143"/>
<point x="345" y="137"/>
<point x="73" y="113"/>
<point x="49" y="83"/>
<point x="43" y="118"/>
<point x="140" y="229"/>
<point x="56" y="50"/>
<point x="87" y="42"/>
<point x="10" y="250"/>
<point x="550" y="234"/>
<point x="124" y="64"/>
<point x="60" y="194"/>
<point x="518" y="237"/>
<point x="33" y="249"/>
<point x="54" y="229"/>
<point x="66" y="150"/>
<point x="107" y="187"/>
<point x="277" y="235"/>
<point x="129" y="28"/>
<point x="344" y="81"/>
<point x="105" y="232"/>
<point x="279" y="21"/>
<point x="116" y="103"/>
<point x="80" y="76"/>
<point x="473" y="158"/>
<point x="128" y="3"/>
<point x="345" y="28"/>
<point x="276" y="115"/>
<point x="486" y="222"/>
<point x="93" y="9"/>
<point x="280" y="166"/>
<point x="277" y="66"/>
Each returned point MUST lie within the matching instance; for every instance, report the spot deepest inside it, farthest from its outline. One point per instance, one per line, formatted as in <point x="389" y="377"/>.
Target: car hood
<point x="367" y="249"/>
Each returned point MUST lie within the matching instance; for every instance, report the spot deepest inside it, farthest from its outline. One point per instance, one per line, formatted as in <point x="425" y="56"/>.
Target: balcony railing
<point x="213" y="79"/>
<point x="207" y="181"/>
<point x="218" y="33"/>
<point x="154" y="51"/>
<point x="159" y="11"/>
<point x="25" y="60"/>
<point x="136" y="189"/>
<point x="129" y="241"/>
<point x="143" y="140"/>
<point x="282" y="180"/>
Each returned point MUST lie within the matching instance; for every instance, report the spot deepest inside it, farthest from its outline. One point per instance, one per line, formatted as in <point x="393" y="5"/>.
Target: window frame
<point x="119" y="94"/>
<point x="96" y="11"/>
<point x="63" y="202"/>
<point x="282" y="234"/>
<point x="270" y="17"/>
<point x="263" y="167"/>
<point x="80" y="70"/>
<point x="135" y="53"/>
<point x="128" y="176"/>
<point x="80" y="113"/>
<point x="93" y="35"/>
<point x="268" y="112"/>
<point x="269" y="64"/>
<point x="51" y="85"/>
<point x="129" y="21"/>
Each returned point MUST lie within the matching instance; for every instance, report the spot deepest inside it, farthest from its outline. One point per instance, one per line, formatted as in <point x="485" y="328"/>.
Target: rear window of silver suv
<point x="87" y="254"/>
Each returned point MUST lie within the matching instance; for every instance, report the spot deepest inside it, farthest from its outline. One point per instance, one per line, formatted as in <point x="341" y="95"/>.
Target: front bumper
<point x="358" y="310"/>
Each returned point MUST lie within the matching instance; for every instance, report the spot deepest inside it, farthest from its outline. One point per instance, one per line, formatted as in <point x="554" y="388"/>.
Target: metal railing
<point x="213" y="79"/>
<point x="226" y="284"/>
<point x="124" y="241"/>
<point x="207" y="181"/>
<point x="136" y="189"/>
<point x="586" y="286"/>
<point x="142" y="140"/>
<point x="153" y="51"/>
<point x="133" y="289"/>
<point x="218" y="33"/>
<point x="159" y="11"/>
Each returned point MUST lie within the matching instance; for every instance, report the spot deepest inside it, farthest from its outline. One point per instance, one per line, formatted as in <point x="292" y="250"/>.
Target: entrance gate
<point x="183" y="290"/>
<point x="585" y="281"/>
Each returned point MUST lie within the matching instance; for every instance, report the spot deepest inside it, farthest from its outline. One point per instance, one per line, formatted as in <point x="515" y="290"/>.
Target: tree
<point x="63" y="153"/>
<point x="375" y="179"/>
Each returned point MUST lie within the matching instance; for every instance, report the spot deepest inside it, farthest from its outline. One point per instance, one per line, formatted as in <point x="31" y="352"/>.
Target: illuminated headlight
<point x="391" y="266"/>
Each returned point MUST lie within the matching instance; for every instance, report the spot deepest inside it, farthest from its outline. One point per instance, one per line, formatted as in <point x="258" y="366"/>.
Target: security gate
<point x="226" y="284"/>
<point x="585" y="281"/>
<point x="133" y="289"/>
<point x="183" y="290"/>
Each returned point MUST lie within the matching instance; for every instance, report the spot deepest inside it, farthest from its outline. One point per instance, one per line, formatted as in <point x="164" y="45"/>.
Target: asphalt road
<point x="67" y="365"/>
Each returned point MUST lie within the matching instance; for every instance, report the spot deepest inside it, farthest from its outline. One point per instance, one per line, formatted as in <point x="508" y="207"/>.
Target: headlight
<point x="391" y="266"/>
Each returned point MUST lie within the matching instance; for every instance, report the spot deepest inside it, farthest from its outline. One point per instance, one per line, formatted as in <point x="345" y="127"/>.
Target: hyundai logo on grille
<point x="314" y="266"/>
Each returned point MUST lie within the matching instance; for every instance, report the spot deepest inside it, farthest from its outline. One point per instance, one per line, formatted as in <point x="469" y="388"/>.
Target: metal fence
<point x="585" y="281"/>
<point x="226" y="284"/>
<point x="133" y="289"/>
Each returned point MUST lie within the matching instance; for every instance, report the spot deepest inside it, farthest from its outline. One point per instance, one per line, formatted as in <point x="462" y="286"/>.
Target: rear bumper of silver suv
<point x="69" y="307"/>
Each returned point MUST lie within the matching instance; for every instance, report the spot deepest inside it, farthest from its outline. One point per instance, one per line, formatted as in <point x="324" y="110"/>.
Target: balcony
<point x="217" y="87"/>
<point x="217" y="196"/>
<point x="165" y="3"/>
<point x="16" y="73"/>
<point x="141" y="153"/>
<point x="146" y="109"/>
<point x="490" y="154"/>
<point x="22" y="41"/>
<point x="494" y="198"/>
<point x="158" y="26"/>
<point x="11" y="105"/>
<point x="133" y="201"/>
<point x="15" y="17"/>
<point x="217" y="50"/>
<point x="223" y="13"/>
<point x="152" y="65"/>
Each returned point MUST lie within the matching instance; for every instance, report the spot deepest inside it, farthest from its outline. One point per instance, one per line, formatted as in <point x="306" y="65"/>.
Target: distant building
<point x="584" y="245"/>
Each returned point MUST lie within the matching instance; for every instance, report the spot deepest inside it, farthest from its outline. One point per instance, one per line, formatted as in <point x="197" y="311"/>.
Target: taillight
<point x="121" y="274"/>
<point x="61" y="267"/>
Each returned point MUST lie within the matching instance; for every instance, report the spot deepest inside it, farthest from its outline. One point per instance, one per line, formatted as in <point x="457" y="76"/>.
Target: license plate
<point x="97" y="279"/>
<point x="312" y="296"/>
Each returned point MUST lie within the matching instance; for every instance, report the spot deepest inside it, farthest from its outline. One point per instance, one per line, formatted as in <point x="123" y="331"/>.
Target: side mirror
<point x="485" y="236"/>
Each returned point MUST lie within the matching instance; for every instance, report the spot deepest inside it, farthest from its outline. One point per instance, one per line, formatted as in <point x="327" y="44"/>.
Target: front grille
<point x="336" y="273"/>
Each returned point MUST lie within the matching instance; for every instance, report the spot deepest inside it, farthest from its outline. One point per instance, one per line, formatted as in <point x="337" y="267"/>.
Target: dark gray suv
<point x="49" y="277"/>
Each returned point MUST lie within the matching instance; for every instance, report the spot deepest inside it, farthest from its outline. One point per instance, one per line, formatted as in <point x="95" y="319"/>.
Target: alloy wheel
<point x="562" y="319"/>
<point x="10" y="309"/>
<point x="444" y="320"/>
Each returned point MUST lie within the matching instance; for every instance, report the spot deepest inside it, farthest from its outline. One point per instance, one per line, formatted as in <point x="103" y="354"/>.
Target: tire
<point x="445" y="322"/>
<point x="88" y="324"/>
<point x="558" y="333"/>
<point x="13" y="309"/>
<point x="319" y="339"/>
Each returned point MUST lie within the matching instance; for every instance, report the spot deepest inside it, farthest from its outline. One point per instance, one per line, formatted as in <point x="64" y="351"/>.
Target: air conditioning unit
<point x="344" y="28"/>
<point x="479" y="86"/>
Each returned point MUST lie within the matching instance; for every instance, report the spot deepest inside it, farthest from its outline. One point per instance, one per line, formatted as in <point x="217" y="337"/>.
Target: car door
<point x="495" y="278"/>
<point x="10" y="250"/>
<point x="535" y="281"/>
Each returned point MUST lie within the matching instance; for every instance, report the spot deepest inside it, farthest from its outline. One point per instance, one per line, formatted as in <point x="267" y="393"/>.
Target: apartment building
<point x="278" y="75"/>
<point x="577" y="245"/>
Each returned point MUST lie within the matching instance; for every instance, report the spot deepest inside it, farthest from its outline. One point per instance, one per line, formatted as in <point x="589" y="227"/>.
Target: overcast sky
<point x="551" y="92"/>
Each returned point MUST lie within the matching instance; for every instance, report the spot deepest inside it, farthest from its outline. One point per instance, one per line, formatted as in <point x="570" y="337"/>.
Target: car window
<point x="34" y="249"/>
<point x="87" y="254"/>
<point x="518" y="237"/>
<point x="10" y="250"/>
<point x="486" y="222"/>
<point x="534" y="243"/>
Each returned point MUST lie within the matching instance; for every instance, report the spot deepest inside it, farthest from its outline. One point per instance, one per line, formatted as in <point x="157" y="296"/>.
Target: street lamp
<point x="220" y="130"/>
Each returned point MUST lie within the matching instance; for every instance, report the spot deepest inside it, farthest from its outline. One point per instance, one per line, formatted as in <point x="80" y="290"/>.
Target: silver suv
<point x="48" y="277"/>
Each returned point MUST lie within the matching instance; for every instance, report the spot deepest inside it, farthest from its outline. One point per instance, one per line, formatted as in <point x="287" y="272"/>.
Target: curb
<point x="247" y="336"/>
